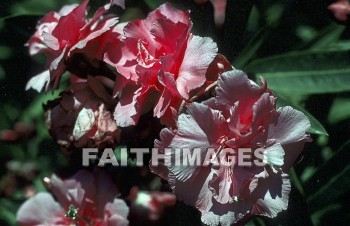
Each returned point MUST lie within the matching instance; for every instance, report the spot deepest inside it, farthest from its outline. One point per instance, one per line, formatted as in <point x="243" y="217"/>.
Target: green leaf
<point x="273" y="14"/>
<point x="8" y="211"/>
<point x="331" y="35"/>
<point x="339" y="111"/>
<point x="35" y="109"/>
<point x="248" y="53"/>
<point x="331" y="180"/>
<point x="3" y="19"/>
<point x="39" y="6"/>
<point x="306" y="33"/>
<point x="307" y="173"/>
<point x="152" y="4"/>
<point x="316" y="126"/>
<point x="340" y="45"/>
<point x="317" y="217"/>
<point x="309" y="72"/>
<point x="324" y="39"/>
<point x="296" y="181"/>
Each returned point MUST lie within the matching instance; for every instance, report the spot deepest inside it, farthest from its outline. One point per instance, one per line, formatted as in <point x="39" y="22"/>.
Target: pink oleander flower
<point x="81" y="117"/>
<point x="69" y="39"/>
<point x="162" y="64"/>
<point x="219" y="10"/>
<point x="150" y="206"/>
<point x="92" y="194"/>
<point x="340" y="10"/>
<point x="241" y="115"/>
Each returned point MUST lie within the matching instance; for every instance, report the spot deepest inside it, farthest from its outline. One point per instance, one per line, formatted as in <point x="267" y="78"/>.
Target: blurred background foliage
<point x="295" y="45"/>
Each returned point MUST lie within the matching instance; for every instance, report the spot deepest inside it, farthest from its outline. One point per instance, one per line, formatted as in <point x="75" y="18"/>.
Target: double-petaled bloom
<point x="162" y="64"/>
<point x="241" y="115"/>
<point x="71" y="42"/>
<point x="82" y="116"/>
<point x="93" y="195"/>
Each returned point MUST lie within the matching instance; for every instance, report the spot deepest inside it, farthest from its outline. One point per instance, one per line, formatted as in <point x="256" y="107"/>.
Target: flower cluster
<point x="120" y="72"/>
<point x="159" y="64"/>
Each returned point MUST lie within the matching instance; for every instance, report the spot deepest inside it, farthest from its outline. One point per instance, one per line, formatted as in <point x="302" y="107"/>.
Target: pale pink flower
<point x="150" y="205"/>
<point x="219" y="10"/>
<point x="162" y="64"/>
<point x="93" y="194"/>
<point x="242" y="115"/>
<point x="81" y="116"/>
<point x="68" y="34"/>
<point x="340" y="10"/>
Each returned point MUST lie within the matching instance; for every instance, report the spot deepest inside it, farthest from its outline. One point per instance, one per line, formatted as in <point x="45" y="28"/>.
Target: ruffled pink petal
<point x="263" y="109"/>
<point x="289" y="126"/>
<point x="271" y="192"/>
<point x="129" y="108"/>
<point x="36" y="46"/>
<point x="170" y="116"/>
<point x="116" y="220"/>
<point x="140" y="30"/>
<point x="162" y="104"/>
<point x="117" y="207"/>
<point x="200" y="196"/>
<point x="201" y="127"/>
<point x="51" y="41"/>
<point x="212" y="212"/>
<point x="69" y="26"/>
<point x="169" y="97"/>
<point x="274" y="155"/>
<point x="223" y="184"/>
<point x="67" y="9"/>
<point x="173" y="14"/>
<point x="166" y="137"/>
<point x="168" y="34"/>
<point x="169" y="83"/>
<point x="57" y="68"/>
<point x="74" y="190"/>
<point x="235" y="86"/>
<point x="199" y="54"/>
<point x="116" y="54"/>
<point x="41" y="209"/>
<point x="106" y="26"/>
<point x="38" y="82"/>
<point x="198" y="130"/>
